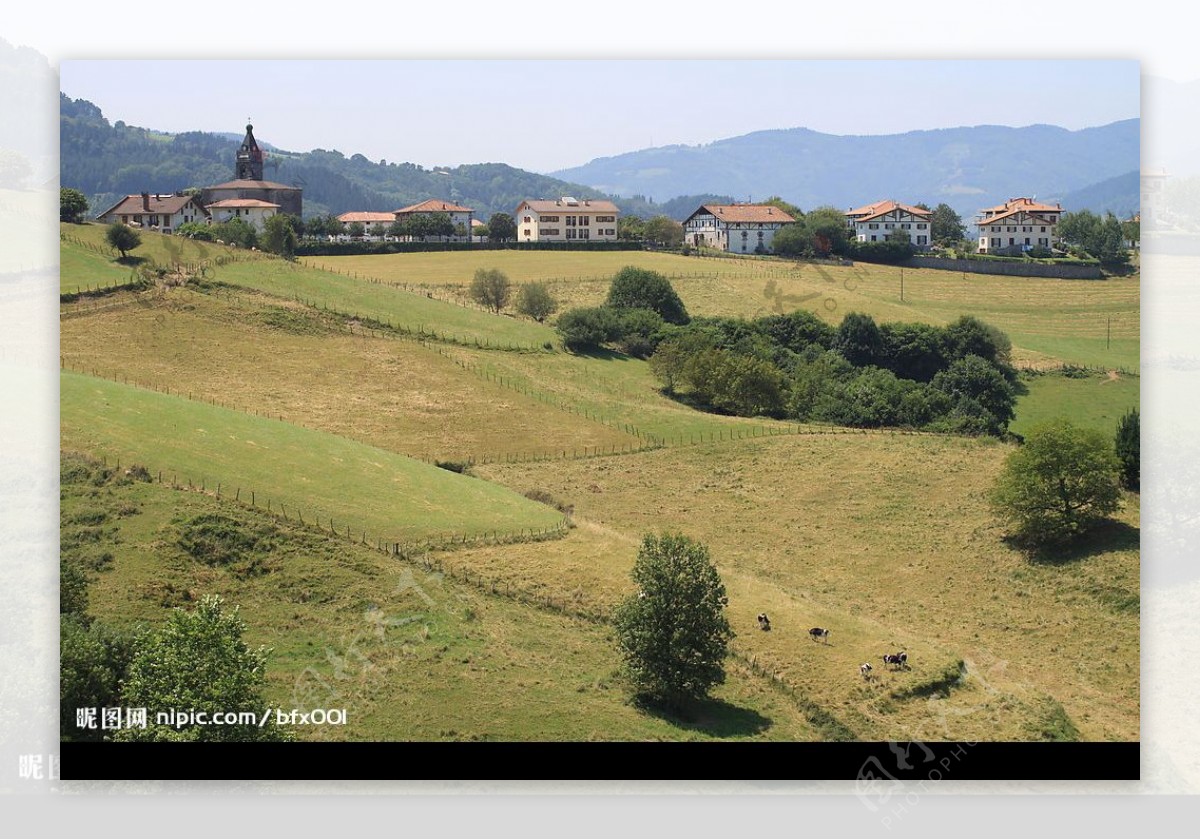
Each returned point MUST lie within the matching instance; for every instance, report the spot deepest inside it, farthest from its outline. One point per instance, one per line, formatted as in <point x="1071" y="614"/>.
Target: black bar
<point x="870" y="762"/>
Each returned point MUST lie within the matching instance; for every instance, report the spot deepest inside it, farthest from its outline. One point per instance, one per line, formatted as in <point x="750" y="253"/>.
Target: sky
<point x="552" y="114"/>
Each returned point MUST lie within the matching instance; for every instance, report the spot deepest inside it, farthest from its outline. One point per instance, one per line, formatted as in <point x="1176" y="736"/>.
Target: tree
<point x="672" y="633"/>
<point x="93" y="661"/>
<point x="631" y="229"/>
<point x="1132" y="231"/>
<point x="123" y="238"/>
<point x="827" y="231"/>
<point x="1129" y="449"/>
<point x="587" y="328"/>
<point x="491" y="288"/>
<point x="501" y="228"/>
<point x="356" y="230"/>
<point x="946" y="225"/>
<point x="858" y="339"/>
<point x="237" y="232"/>
<point x="786" y="206"/>
<point x="199" y="661"/>
<point x="664" y="231"/>
<point x="378" y="231"/>
<point x="639" y="288"/>
<point x="72" y="205"/>
<point x="1061" y="483"/>
<point x="975" y="378"/>
<point x="535" y="300"/>
<point x="278" y="236"/>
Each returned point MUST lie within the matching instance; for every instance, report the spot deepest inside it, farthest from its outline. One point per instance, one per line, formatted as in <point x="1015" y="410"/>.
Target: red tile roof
<point x="366" y="217"/>
<point x="1023" y="204"/>
<point x="581" y="205"/>
<point x="241" y="202"/>
<point x="880" y="208"/>
<point x="753" y="213"/>
<point x="247" y="184"/>
<point x="433" y="205"/>
<point x="165" y="205"/>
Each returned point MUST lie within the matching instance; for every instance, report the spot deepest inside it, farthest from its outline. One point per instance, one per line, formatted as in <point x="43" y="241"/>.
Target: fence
<point x="1012" y="269"/>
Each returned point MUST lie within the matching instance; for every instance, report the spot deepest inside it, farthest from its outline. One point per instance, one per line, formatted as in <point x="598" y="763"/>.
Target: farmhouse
<point x="458" y="216"/>
<point x="249" y="184"/>
<point x="368" y="220"/>
<point x="888" y="218"/>
<point x="741" y="228"/>
<point x="566" y="219"/>
<point x="252" y="211"/>
<point x="1018" y="225"/>
<point x="163" y="213"/>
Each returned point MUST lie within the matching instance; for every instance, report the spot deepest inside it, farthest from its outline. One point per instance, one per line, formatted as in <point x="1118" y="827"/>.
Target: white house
<point x="163" y="213"/>
<point x="368" y="220"/>
<point x="876" y="222"/>
<point x="566" y="219"/>
<point x="253" y="211"/>
<point x="1018" y="225"/>
<point x="740" y="228"/>
<point x="458" y="216"/>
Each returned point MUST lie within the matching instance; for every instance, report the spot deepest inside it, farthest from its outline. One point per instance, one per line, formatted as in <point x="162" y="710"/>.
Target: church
<point x="248" y="187"/>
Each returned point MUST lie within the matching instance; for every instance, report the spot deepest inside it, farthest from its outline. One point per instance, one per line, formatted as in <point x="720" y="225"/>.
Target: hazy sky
<point x="547" y="115"/>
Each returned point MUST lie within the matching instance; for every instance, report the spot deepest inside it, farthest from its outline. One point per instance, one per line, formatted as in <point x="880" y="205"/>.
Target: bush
<point x="672" y="633"/>
<point x="72" y="205"/>
<point x="123" y="238"/>
<point x="195" y="230"/>
<point x="1129" y="449"/>
<point x="1060" y="484"/>
<point x="491" y="288"/>
<point x="881" y="252"/>
<point x="639" y="288"/>
<point x="535" y="301"/>
<point x="978" y="380"/>
<point x="93" y="661"/>
<point x="588" y="328"/>
<point x="859" y="340"/>
<point x="637" y="331"/>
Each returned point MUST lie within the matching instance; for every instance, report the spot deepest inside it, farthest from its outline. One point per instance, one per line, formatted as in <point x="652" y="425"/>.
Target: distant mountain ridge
<point x="968" y="168"/>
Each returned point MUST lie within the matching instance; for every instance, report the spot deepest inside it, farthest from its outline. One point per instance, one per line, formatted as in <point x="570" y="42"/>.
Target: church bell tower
<point x="249" y="158"/>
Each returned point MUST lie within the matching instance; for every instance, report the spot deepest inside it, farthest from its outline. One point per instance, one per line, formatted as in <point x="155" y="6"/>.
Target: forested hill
<point x="109" y="160"/>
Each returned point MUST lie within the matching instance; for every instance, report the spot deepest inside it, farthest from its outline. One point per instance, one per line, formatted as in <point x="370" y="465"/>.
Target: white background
<point x="28" y="425"/>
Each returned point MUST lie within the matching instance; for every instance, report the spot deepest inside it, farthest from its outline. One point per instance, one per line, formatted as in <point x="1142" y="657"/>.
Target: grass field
<point x="884" y="537"/>
<point x="313" y="474"/>
<point x="400" y="649"/>
<point x="887" y="540"/>
<point x="282" y="359"/>
<point x="1049" y="320"/>
<point x="1097" y="401"/>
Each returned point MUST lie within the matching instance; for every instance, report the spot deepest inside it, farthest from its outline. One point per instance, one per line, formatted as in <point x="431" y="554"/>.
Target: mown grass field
<point x="261" y="354"/>
<point x="313" y="474"/>
<point x="884" y="537"/>
<point x="409" y="654"/>
<point x="889" y="541"/>
<point x="1097" y="401"/>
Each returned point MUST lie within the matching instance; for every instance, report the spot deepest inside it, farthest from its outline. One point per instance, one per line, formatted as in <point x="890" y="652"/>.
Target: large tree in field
<point x="664" y="231"/>
<point x="123" y="238"/>
<point x="278" y="236"/>
<point x="491" y="288"/>
<point x="672" y="632"/>
<point x="535" y="300"/>
<point x="1062" y="482"/>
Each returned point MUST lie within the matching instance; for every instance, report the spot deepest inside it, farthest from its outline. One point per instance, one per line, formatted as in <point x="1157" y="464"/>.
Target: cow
<point x="819" y="633"/>
<point x="865" y="670"/>
<point x="900" y="660"/>
<point x="764" y="623"/>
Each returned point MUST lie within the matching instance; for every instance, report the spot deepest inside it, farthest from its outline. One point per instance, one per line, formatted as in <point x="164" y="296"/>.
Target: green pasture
<point x="307" y="473"/>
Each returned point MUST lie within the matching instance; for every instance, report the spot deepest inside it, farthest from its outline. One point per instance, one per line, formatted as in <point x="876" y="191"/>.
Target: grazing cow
<point x="865" y="670"/>
<point x="819" y="633"/>
<point x="900" y="660"/>
<point x="764" y="623"/>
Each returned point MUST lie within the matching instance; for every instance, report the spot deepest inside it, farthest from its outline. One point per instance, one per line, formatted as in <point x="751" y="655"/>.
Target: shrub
<point x="123" y="238"/>
<point x="639" y="288"/>
<point x="1129" y="449"/>
<point x="588" y="328"/>
<point x="858" y="339"/>
<point x="978" y="380"/>
<point x="491" y="288"/>
<point x="535" y="301"/>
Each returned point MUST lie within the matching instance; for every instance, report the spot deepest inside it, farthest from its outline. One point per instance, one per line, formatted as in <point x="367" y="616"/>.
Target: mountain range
<point x="967" y="168"/>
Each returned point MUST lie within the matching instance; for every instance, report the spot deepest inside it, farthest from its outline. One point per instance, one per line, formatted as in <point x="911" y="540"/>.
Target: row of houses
<point x="1018" y="225"/>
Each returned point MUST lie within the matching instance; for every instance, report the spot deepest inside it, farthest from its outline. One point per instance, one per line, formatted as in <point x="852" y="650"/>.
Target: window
<point x="584" y="234"/>
<point x="1012" y="229"/>
<point x="547" y="231"/>
<point x="571" y="231"/>
<point x="606" y="218"/>
<point x="922" y="240"/>
<point x="873" y="226"/>
<point x="548" y="219"/>
<point x="906" y="226"/>
<point x="1043" y="229"/>
<point x="922" y="226"/>
<point x="570" y="221"/>
<point x="760" y="235"/>
<point x="888" y="226"/>
<point x="1011" y="241"/>
<point x="873" y="237"/>
<point x="528" y="219"/>
<point x="1027" y="240"/>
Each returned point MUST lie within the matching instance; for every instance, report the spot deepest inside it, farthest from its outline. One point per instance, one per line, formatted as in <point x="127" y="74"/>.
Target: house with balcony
<point x="566" y="219"/>
<point x="737" y="228"/>
<point x="884" y="220"/>
<point x="1018" y="225"/>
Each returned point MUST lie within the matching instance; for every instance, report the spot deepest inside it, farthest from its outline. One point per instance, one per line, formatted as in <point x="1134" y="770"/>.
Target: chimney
<point x="146" y="202"/>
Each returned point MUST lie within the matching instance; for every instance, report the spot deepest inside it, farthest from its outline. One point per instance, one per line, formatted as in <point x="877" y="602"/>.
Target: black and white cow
<point x="900" y="660"/>
<point x="764" y="623"/>
<point x="819" y="633"/>
<point x="865" y="670"/>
